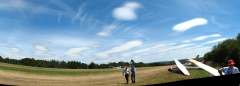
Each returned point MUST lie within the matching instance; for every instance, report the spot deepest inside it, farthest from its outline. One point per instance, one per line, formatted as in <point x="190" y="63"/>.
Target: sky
<point x="103" y="31"/>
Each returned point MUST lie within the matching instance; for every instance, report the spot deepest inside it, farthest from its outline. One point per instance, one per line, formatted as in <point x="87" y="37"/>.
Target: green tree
<point x="238" y="37"/>
<point x="92" y="65"/>
<point x="223" y="51"/>
<point x="1" y="59"/>
<point x="132" y="62"/>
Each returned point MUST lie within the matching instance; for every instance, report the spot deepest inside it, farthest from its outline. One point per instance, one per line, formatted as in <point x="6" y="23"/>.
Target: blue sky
<point x="106" y="31"/>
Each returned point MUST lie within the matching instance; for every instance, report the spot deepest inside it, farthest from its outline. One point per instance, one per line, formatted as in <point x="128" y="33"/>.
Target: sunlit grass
<point x="165" y="76"/>
<point x="155" y="77"/>
<point x="55" y="71"/>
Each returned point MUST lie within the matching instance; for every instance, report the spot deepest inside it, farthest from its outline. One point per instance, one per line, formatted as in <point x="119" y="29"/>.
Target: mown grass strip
<point x="56" y="71"/>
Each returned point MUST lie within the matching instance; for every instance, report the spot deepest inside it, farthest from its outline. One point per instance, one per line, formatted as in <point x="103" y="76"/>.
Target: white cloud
<point x="127" y="46"/>
<point x="215" y="35"/>
<point x="107" y="30"/>
<point x="214" y="41"/>
<point x="15" y="49"/>
<point x="95" y="46"/>
<point x="186" y="41"/>
<point x="146" y="49"/>
<point x="204" y="37"/>
<point x="121" y="48"/>
<point x="189" y="24"/>
<point x="126" y="55"/>
<point x="187" y="53"/>
<point x="201" y="38"/>
<point x="182" y="46"/>
<point x="179" y="51"/>
<point x="191" y="48"/>
<point x="41" y="51"/>
<point x="11" y="48"/>
<point x="19" y="4"/>
<point x="43" y="55"/>
<point x="126" y="12"/>
<point x="103" y="54"/>
<point x="40" y="48"/>
<point x="75" y="51"/>
<point x="173" y="48"/>
<point x="69" y="41"/>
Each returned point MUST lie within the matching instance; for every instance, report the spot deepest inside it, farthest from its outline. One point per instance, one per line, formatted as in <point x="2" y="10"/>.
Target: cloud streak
<point x="181" y="27"/>
<point x="121" y="48"/>
<point x="14" y="49"/>
<point x="140" y="51"/>
<point x="205" y="37"/>
<point x="76" y="51"/>
<point x="41" y="48"/>
<point x="202" y="38"/>
<point x="217" y="40"/>
<point x="106" y="30"/>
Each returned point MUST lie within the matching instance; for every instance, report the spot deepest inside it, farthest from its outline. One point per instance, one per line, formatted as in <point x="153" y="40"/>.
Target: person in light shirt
<point x="126" y="72"/>
<point x="231" y="69"/>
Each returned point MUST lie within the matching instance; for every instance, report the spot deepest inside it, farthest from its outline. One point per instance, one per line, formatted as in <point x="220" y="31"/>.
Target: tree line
<point x="224" y="51"/>
<point x="72" y="64"/>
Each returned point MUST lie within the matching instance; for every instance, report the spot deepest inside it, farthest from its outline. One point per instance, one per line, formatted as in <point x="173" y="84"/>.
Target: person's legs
<point x="133" y="78"/>
<point x="127" y="77"/>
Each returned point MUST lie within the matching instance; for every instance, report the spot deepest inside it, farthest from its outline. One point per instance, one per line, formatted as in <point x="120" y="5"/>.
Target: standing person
<point x="133" y="73"/>
<point x="231" y="69"/>
<point x="126" y="72"/>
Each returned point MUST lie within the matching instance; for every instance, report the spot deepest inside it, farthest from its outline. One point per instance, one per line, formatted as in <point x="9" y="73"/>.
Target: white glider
<point x="206" y="67"/>
<point x="182" y="68"/>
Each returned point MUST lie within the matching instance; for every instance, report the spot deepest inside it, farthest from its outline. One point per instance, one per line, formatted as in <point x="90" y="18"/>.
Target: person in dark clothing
<point x="133" y="74"/>
<point x="126" y="72"/>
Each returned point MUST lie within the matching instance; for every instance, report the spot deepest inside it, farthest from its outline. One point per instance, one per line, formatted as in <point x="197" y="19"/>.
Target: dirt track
<point x="113" y="79"/>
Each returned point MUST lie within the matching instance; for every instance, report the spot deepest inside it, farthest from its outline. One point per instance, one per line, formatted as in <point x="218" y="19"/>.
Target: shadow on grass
<point x="126" y="83"/>
<point x="121" y="83"/>
<point x="7" y="85"/>
<point x="180" y="73"/>
<point x="231" y="80"/>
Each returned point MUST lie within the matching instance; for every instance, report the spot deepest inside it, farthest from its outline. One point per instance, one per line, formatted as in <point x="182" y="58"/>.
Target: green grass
<point x="166" y="76"/>
<point x="55" y="71"/>
<point x="163" y="76"/>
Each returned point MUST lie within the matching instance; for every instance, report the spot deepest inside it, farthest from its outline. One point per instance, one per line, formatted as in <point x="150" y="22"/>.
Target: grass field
<point x="55" y="71"/>
<point x="11" y="74"/>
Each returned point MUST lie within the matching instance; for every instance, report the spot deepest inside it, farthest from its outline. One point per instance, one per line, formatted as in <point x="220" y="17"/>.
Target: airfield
<point x="34" y="76"/>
